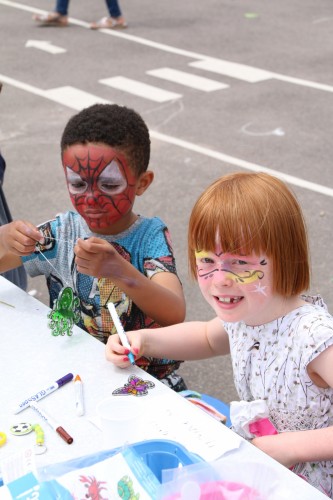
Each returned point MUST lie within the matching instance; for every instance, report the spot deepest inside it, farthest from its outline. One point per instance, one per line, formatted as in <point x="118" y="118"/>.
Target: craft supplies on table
<point x="30" y="354"/>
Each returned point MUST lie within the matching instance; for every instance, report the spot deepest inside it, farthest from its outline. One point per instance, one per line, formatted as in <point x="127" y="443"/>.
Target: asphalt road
<point x="233" y="85"/>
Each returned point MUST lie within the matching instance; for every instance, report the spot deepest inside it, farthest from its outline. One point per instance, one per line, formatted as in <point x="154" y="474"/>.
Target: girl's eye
<point x="240" y="262"/>
<point x="206" y="260"/>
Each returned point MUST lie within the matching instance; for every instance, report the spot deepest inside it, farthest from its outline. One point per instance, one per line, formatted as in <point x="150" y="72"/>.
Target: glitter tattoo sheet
<point x="180" y="422"/>
<point x="122" y="476"/>
<point x="187" y="425"/>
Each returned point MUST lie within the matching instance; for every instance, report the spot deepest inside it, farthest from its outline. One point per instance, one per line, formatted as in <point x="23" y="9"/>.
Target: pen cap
<point x="65" y="379"/>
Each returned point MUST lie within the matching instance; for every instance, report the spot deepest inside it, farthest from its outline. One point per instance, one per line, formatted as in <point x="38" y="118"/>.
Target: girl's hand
<point x="293" y="447"/>
<point x="19" y="238"/>
<point x="279" y="447"/>
<point x="118" y="354"/>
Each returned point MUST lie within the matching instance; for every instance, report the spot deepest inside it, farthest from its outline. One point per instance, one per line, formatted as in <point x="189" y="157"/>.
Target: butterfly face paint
<point x="240" y="269"/>
<point x="100" y="183"/>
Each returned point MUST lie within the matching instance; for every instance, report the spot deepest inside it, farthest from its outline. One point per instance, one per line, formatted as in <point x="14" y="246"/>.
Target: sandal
<point x="108" y="23"/>
<point x="52" y="19"/>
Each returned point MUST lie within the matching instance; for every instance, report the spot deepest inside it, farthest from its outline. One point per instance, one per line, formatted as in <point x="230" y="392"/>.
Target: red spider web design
<point x="89" y="169"/>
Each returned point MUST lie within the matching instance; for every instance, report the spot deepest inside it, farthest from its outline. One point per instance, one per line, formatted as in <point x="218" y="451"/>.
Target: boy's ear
<point x="144" y="182"/>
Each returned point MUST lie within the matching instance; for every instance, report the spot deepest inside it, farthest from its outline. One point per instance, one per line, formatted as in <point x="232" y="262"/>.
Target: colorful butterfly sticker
<point x="134" y="387"/>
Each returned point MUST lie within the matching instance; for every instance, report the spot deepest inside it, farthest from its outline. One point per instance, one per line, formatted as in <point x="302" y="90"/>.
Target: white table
<point x="31" y="359"/>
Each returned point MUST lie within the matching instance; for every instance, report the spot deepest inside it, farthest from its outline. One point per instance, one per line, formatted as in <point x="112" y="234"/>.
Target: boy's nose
<point x="91" y="200"/>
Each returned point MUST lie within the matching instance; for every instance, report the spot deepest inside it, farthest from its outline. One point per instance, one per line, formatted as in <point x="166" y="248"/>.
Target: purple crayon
<point x="44" y="392"/>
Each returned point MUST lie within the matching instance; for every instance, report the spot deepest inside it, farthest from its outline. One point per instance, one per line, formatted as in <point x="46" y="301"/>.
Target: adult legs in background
<point x="56" y="18"/>
<point x="113" y="8"/>
<point x="59" y="16"/>
<point x="115" y="21"/>
<point x="62" y="7"/>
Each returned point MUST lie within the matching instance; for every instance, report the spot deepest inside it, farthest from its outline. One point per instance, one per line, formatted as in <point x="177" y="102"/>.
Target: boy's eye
<point x="108" y="186"/>
<point x="112" y="186"/>
<point x="77" y="187"/>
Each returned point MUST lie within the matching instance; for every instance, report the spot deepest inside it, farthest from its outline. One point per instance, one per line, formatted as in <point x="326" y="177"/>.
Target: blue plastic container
<point x="163" y="454"/>
<point x="158" y="455"/>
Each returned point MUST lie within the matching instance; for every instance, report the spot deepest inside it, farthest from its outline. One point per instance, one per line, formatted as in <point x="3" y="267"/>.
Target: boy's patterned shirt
<point x="146" y="244"/>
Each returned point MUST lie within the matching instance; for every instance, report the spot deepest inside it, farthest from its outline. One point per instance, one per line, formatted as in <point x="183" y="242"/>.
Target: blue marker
<point x="120" y="330"/>
<point x="44" y="392"/>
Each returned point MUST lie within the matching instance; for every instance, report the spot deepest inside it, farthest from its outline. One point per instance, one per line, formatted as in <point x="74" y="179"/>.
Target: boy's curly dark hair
<point x="120" y="127"/>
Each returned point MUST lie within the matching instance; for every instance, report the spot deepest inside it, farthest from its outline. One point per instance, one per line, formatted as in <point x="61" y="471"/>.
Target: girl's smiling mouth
<point x="228" y="300"/>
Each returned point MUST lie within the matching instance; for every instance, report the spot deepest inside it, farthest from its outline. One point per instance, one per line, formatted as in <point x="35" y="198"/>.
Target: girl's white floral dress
<point x="270" y="362"/>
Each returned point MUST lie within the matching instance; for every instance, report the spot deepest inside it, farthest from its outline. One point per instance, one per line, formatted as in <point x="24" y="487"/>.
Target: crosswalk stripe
<point x="140" y="89"/>
<point x="74" y="98"/>
<point x="235" y="70"/>
<point x="193" y="81"/>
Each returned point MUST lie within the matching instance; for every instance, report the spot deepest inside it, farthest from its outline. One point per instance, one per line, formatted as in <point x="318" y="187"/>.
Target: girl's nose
<point x="223" y="277"/>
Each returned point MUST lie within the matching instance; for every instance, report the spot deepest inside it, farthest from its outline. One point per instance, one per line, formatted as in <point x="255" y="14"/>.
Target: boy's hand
<point x="19" y="238"/>
<point x="97" y="257"/>
<point x="118" y="354"/>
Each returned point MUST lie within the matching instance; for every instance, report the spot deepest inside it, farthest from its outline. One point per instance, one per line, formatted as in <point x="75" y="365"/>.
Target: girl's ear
<point x="144" y="182"/>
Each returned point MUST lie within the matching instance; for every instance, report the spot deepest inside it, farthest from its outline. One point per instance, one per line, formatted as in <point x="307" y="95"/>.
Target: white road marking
<point x="187" y="79"/>
<point x="68" y="96"/>
<point x="22" y="86"/>
<point x="46" y="46"/>
<point x="140" y="89"/>
<point x="231" y="160"/>
<point x="304" y="83"/>
<point x="246" y="70"/>
<point x="235" y="70"/>
<point x="74" y="98"/>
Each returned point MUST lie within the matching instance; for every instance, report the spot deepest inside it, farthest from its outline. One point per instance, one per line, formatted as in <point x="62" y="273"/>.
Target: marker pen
<point x="44" y="392"/>
<point x="78" y="396"/>
<point x="52" y="423"/>
<point x="120" y="330"/>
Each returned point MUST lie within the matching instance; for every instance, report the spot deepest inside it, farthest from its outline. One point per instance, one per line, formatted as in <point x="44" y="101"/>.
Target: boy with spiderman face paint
<point x="104" y="250"/>
<point x="102" y="187"/>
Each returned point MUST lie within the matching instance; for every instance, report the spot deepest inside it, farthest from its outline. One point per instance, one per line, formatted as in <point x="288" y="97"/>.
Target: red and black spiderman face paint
<point x="100" y="183"/>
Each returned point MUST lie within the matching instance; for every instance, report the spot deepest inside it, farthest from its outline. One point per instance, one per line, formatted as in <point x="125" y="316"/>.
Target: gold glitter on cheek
<point x="246" y="277"/>
<point x="200" y="254"/>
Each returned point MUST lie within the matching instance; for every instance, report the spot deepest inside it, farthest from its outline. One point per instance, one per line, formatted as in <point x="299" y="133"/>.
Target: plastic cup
<point x="121" y="419"/>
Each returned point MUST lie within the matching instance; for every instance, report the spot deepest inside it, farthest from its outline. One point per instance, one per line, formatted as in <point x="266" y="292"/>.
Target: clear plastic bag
<point x="235" y="476"/>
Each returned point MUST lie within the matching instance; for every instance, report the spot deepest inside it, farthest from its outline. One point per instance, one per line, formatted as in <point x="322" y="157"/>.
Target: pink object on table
<point x="220" y="490"/>
<point x="262" y="427"/>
